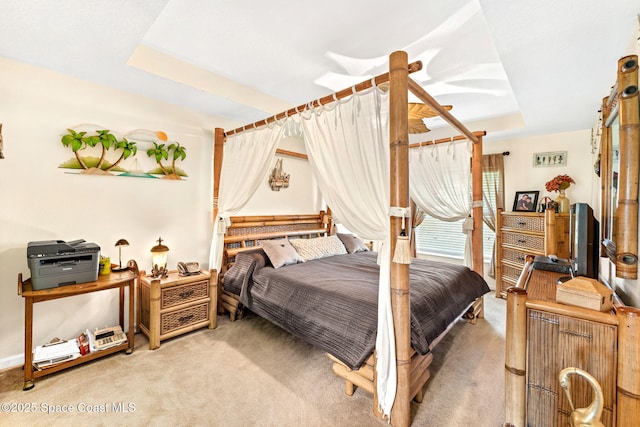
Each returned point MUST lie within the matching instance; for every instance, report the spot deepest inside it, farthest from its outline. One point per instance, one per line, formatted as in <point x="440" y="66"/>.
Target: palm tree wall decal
<point x="159" y="152"/>
<point x="103" y="140"/>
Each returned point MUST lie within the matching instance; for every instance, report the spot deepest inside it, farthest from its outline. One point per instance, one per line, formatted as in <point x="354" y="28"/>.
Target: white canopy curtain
<point x="348" y="146"/>
<point x="246" y="162"/>
<point x="440" y="184"/>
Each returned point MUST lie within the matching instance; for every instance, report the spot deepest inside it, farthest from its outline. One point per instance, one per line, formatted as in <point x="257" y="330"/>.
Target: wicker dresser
<point x="527" y="233"/>
<point x="176" y="304"/>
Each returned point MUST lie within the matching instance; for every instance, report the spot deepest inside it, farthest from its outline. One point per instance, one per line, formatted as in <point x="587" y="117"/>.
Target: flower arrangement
<point x="559" y="183"/>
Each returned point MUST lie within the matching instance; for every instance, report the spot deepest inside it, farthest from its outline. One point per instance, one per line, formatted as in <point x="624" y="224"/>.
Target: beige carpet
<point x="251" y="373"/>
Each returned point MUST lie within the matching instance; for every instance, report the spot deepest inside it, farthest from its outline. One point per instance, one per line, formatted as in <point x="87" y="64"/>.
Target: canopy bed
<point x="377" y="210"/>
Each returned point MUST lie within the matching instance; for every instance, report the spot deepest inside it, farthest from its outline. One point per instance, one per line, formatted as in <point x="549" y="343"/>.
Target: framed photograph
<point x="550" y="159"/>
<point x="525" y="201"/>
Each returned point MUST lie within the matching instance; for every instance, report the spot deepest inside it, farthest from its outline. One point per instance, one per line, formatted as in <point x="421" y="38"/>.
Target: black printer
<point x="56" y="263"/>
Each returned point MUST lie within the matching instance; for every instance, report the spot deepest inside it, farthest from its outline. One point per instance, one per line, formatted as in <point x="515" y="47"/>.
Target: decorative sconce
<point x="119" y="244"/>
<point x="159" y="259"/>
<point x="278" y="179"/>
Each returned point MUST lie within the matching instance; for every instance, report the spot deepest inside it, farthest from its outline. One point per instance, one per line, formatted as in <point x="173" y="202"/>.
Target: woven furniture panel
<point x="534" y="243"/>
<point x="514" y="256"/>
<point x="270" y="229"/>
<point x="510" y="274"/>
<point x="557" y="342"/>
<point x="526" y="223"/>
<point x="182" y="294"/>
<point x="181" y="318"/>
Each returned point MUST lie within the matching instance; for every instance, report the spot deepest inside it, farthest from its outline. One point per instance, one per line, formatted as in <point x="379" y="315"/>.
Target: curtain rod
<point x="382" y="78"/>
<point x="443" y="140"/>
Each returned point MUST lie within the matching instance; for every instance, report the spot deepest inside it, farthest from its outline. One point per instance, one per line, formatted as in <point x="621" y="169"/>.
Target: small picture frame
<point x="525" y="201"/>
<point x="550" y="159"/>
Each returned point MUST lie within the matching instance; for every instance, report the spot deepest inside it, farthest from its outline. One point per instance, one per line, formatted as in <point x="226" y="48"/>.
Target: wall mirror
<point x="620" y="157"/>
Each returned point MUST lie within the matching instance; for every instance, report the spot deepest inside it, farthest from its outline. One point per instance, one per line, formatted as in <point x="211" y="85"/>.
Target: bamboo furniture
<point x="116" y="280"/>
<point x="399" y="85"/>
<point x="244" y="233"/>
<point x="619" y="207"/>
<point x="527" y="233"/>
<point x="174" y="305"/>
<point x="544" y="337"/>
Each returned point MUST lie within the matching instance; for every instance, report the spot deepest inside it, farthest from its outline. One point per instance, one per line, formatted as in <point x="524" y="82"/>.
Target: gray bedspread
<point x="332" y="302"/>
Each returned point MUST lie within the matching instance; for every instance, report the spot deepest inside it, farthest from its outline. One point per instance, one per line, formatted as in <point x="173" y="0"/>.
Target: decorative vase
<point x="563" y="202"/>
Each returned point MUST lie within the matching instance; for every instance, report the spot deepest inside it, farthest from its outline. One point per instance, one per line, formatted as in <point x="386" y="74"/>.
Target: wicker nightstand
<point x="176" y="304"/>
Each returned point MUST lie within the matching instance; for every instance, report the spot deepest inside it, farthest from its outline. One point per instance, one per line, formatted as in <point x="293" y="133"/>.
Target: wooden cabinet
<point x="175" y="305"/>
<point x="121" y="280"/>
<point x="543" y="337"/>
<point x="527" y="233"/>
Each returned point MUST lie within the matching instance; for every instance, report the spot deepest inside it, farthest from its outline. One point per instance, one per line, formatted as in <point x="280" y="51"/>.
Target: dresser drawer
<point x="177" y="295"/>
<point x="510" y="275"/>
<point x="524" y="241"/>
<point x="525" y="223"/>
<point x="514" y="256"/>
<point x="179" y="319"/>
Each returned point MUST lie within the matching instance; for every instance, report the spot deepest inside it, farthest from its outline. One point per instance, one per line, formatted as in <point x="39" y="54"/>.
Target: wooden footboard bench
<point x="420" y="373"/>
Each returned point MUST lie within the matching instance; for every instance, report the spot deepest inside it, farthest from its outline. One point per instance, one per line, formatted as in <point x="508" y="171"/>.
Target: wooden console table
<point x="123" y="279"/>
<point x="543" y="337"/>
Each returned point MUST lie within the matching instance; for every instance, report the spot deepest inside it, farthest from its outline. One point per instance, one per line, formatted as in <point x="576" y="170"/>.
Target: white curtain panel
<point x="348" y="146"/>
<point x="440" y="184"/>
<point x="248" y="158"/>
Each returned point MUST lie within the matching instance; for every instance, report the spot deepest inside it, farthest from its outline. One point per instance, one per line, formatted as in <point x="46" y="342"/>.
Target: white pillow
<point x="318" y="247"/>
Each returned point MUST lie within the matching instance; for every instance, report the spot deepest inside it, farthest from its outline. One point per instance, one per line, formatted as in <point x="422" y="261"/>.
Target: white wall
<point x="41" y="202"/>
<point x="520" y="175"/>
<point x="302" y="195"/>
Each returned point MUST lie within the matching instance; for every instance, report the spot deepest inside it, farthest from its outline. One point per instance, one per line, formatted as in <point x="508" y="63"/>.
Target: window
<point x="441" y="238"/>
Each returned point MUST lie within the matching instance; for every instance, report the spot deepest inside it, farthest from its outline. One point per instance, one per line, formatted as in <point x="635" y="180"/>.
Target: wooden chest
<point x="176" y="304"/>
<point x="586" y="293"/>
<point x="527" y="233"/>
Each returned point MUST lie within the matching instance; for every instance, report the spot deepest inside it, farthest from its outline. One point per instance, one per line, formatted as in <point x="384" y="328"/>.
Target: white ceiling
<point x="509" y="67"/>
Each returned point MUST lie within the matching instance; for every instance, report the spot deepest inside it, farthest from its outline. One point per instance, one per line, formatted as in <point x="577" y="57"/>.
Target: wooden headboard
<point x="245" y="231"/>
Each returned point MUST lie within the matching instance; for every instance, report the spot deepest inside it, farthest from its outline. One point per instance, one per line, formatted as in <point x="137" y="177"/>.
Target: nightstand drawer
<point x="525" y="223"/>
<point x="524" y="241"/>
<point x="182" y="318"/>
<point x="177" y="295"/>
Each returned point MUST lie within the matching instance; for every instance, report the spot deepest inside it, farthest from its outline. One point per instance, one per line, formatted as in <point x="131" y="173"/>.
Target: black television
<point x="583" y="241"/>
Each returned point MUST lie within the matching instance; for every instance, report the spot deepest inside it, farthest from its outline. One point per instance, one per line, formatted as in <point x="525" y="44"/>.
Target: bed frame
<point x="412" y="372"/>
<point x="243" y="234"/>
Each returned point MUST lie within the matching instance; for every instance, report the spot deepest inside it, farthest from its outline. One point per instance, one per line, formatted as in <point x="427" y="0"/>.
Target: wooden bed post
<point x="476" y="185"/>
<point x="399" y="196"/>
<point x="218" y="154"/>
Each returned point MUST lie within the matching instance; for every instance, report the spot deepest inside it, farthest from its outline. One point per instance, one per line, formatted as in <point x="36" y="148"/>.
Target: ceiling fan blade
<point x="417" y="126"/>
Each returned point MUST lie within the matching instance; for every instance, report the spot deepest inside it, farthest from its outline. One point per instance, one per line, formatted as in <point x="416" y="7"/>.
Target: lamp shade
<point x="119" y="244"/>
<point x="122" y="242"/>
<point x="159" y="255"/>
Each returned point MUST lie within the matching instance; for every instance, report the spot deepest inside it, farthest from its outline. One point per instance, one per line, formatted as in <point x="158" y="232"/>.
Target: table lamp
<point x="119" y="244"/>
<point x="159" y="259"/>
